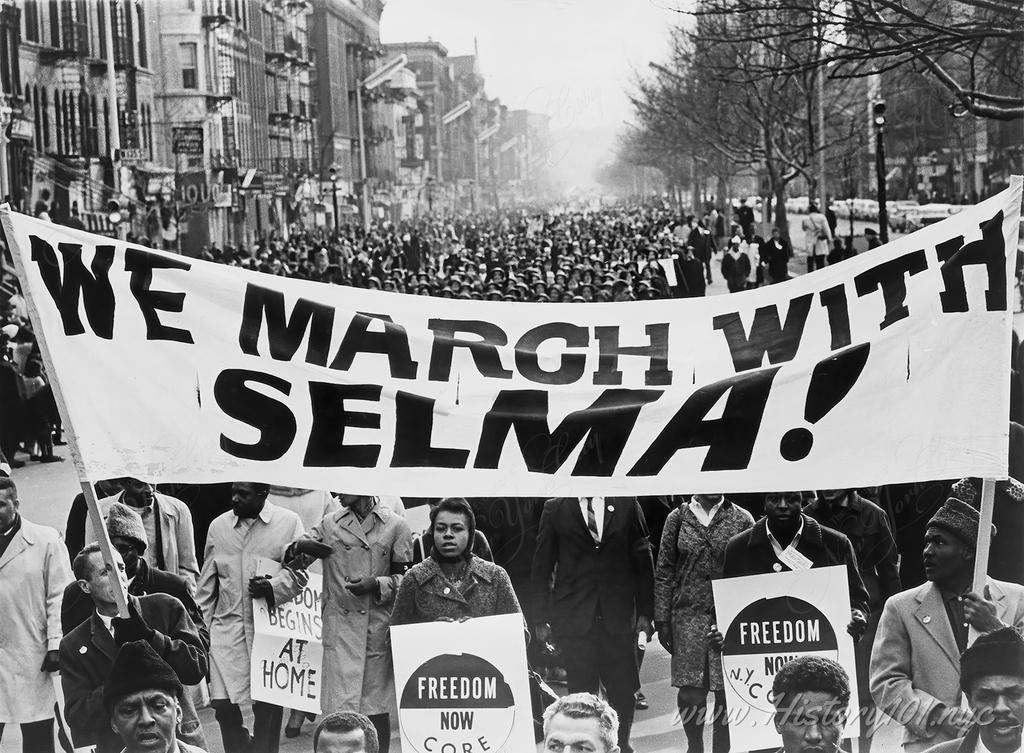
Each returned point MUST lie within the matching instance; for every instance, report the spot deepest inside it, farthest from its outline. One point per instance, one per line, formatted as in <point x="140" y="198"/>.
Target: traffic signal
<point x="878" y="113"/>
<point x="114" y="212"/>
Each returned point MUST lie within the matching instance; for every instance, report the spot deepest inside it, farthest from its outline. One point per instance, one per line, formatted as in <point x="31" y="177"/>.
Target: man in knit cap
<point x="142" y="696"/>
<point x="915" y="663"/>
<point x="992" y="678"/>
<point x="128" y="536"/>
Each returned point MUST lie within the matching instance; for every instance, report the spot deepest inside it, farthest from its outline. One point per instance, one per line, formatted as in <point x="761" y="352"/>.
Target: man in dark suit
<point x="593" y="581"/>
<point x="88" y="651"/>
<point x="128" y="536"/>
<point x="775" y="254"/>
<point x="785" y="530"/>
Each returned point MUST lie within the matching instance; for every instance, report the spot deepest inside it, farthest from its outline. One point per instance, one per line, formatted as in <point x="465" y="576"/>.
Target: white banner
<point x="178" y="369"/>
<point x="287" y="648"/>
<point x="462" y="686"/>
<point x="769" y="620"/>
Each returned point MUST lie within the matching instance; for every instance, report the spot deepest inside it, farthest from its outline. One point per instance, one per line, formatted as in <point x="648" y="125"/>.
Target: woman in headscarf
<point x="452" y="584"/>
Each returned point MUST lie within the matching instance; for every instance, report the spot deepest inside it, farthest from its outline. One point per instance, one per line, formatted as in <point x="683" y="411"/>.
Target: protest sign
<point x="462" y="686"/>
<point x="902" y="353"/>
<point x="287" y="650"/>
<point x="769" y="620"/>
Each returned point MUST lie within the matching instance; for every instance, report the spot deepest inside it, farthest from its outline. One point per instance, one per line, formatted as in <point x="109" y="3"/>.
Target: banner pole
<point x="984" y="543"/>
<point x="95" y="516"/>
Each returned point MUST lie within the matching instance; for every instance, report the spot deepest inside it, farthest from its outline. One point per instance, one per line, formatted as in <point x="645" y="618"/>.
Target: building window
<point x="141" y="27"/>
<point x="54" y="23"/>
<point x="189" y="57"/>
<point x="45" y="106"/>
<point x="58" y="121"/>
<point x="106" y="128"/>
<point x="32" y="20"/>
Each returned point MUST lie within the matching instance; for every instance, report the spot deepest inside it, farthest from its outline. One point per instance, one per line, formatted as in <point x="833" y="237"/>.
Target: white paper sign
<point x="287" y="648"/>
<point x="463" y="686"/>
<point x="769" y="620"/>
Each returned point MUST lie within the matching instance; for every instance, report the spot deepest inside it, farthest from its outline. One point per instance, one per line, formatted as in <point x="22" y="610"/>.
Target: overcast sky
<point x="571" y="59"/>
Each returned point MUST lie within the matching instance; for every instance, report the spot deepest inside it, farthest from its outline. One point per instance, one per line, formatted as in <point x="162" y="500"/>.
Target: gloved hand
<point x="362" y="586"/>
<point x="315" y="549"/>
<point x="302" y="553"/>
<point x="132" y="627"/>
<point x="260" y="588"/>
<point x="51" y="662"/>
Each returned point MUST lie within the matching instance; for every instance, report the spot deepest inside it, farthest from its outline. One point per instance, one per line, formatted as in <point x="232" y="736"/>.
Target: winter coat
<point x="33" y="572"/>
<point x="231" y="556"/>
<point x="817" y="234"/>
<point x="88" y="651"/>
<point x="427" y="594"/>
<point x="736" y="271"/>
<point x="751" y="553"/>
<point x="177" y="553"/>
<point x="357" y="669"/>
<point x="689" y="558"/>
<point x="915" y="663"/>
<point x="77" y="606"/>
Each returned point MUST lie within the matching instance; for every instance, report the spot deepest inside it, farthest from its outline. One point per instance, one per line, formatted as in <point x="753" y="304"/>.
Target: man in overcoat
<point x="915" y="663"/>
<point x="690" y="556"/>
<point x="593" y="581"/>
<point x="128" y="537"/>
<point x="167" y="521"/>
<point x="786" y="539"/>
<point x="252" y="530"/>
<point x="371" y="549"/>
<point x="88" y="651"/>
<point x="33" y="572"/>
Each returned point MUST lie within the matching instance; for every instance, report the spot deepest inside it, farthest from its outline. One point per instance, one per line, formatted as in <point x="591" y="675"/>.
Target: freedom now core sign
<point x="178" y="369"/>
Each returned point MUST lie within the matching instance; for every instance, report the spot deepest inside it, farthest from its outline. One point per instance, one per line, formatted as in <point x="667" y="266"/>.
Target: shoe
<point x="16" y="463"/>
<point x="51" y="459"/>
<point x="290" y="731"/>
<point x="59" y="443"/>
<point x="641" y="701"/>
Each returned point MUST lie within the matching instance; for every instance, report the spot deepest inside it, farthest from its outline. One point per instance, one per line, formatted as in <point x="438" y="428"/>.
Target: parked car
<point x="929" y="214"/>
<point x="899" y="213"/>
<point x="798" y="204"/>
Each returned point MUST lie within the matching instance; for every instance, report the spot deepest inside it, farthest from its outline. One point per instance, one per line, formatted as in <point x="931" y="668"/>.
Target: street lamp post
<point x="878" y="111"/>
<point x="334" y="195"/>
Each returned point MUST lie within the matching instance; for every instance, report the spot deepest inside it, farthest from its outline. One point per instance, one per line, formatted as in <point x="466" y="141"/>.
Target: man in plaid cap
<point x="915" y="663"/>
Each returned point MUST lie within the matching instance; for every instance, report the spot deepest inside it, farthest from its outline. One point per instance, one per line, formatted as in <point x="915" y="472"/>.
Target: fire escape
<point x="219" y="21"/>
<point x="289" y="59"/>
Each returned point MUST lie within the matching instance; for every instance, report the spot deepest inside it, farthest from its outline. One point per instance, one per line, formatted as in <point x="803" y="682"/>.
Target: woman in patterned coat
<point x="452" y="584"/>
<point x="690" y="556"/>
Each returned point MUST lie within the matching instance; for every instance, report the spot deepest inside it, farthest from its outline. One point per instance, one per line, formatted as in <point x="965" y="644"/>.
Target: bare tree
<point x="973" y="48"/>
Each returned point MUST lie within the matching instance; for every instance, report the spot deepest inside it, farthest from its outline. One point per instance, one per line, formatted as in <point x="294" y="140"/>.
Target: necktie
<point x="592" y="522"/>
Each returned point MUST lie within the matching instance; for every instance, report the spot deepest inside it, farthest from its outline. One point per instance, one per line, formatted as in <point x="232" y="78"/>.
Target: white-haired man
<point x="581" y="722"/>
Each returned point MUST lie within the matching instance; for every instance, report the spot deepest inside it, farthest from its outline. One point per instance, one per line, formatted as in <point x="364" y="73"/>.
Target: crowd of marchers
<point x="602" y="578"/>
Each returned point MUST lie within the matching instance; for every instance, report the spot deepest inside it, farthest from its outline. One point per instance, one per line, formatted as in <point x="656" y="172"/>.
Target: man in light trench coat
<point x="371" y="550"/>
<point x="252" y="530"/>
<point x="33" y="572"/>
